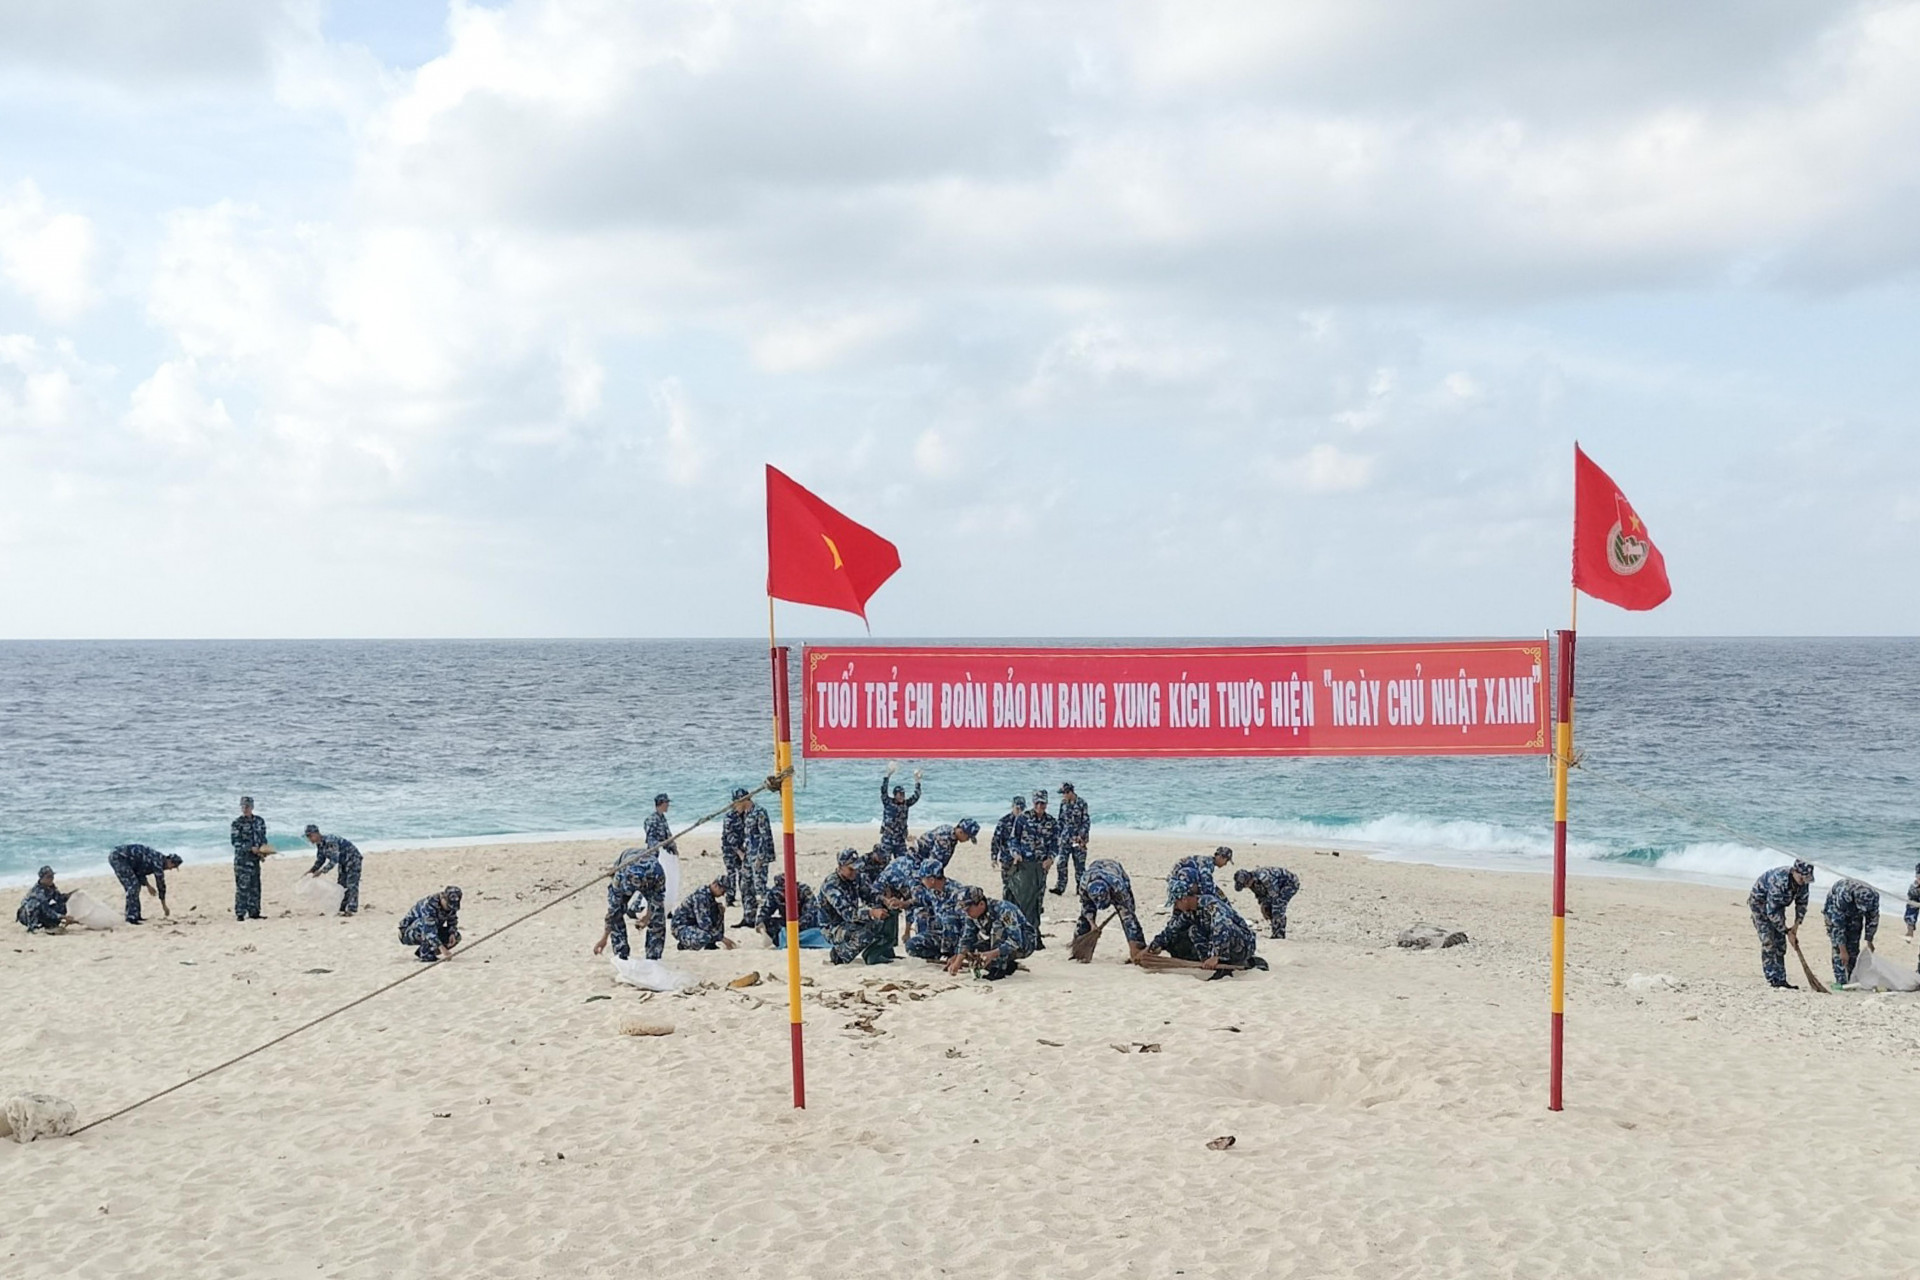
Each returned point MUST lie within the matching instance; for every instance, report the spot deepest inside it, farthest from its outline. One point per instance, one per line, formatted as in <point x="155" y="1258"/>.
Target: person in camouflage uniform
<point x="852" y="916"/>
<point x="637" y="874"/>
<point x="44" y="907"/>
<point x="1201" y="866"/>
<point x="1912" y="913"/>
<point x="249" y="837"/>
<point x="700" y="921"/>
<point x="1273" y="888"/>
<point x="936" y="914"/>
<point x="897" y="888"/>
<point x="1000" y="846"/>
<point x="1767" y="904"/>
<point x="432" y="925"/>
<point x="1852" y="915"/>
<point x="659" y="831"/>
<point x="939" y="843"/>
<point x="893" y="812"/>
<point x="757" y="858"/>
<point x="1076" y="827"/>
<point x="1205" y="927"/>
<point x="995" y="936"/>
<point x="773" y="914"/>
<point x="132" y="864"/>
<point x="1106" y="888"/>
<point x="332" y="851"/>
<point x="733" y="842"/>
<point x="1040" y="835"/>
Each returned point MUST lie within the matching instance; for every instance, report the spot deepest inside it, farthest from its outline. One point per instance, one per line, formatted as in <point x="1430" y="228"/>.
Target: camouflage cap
<point x="933" y="869"/>
<point x="966" y="827"/>
<point x="1221" y="851"/>
<point x="848" y="857"/>
<point x="1241" y="879"/>
<point x="974" y="896"/>
<point x="1802" y="867"/>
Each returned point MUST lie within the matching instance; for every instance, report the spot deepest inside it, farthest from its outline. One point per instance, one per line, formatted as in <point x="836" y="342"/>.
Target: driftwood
<point x="1084" y="945"/>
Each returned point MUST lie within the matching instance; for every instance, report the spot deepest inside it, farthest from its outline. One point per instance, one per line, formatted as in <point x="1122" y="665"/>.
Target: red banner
<point x="1461" y="698"/>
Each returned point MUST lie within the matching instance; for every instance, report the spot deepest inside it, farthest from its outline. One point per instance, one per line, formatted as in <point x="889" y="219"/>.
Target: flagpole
<point x="783" y="765"/>
<point x="1562" y="761"/>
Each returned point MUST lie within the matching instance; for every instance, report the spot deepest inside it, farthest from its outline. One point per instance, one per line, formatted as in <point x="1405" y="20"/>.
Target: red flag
<point x="1614" y="558"/>
<point x="815" y="555"/>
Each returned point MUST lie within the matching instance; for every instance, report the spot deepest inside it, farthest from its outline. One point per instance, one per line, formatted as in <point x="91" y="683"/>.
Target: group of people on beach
<point x="431" y="926"/>
<point x="1851" y="913"/>
<point x="899" y="894"/>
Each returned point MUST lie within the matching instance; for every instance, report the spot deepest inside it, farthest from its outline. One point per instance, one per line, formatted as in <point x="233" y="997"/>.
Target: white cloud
<point x="1325" y="468"/>
<point x="46" y="255"/>
<point x="171" y="409"/>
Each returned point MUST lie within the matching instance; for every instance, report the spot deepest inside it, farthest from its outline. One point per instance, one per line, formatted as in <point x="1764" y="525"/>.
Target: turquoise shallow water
<point x="1813" y="745"/>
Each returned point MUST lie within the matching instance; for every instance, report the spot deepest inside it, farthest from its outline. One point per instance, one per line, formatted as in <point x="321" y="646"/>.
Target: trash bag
<point x="316" y="896"/>
<point x="88" y="912"/>
<point x="648" y="975"/>
<point x="1872" y="973"/>
<point x="670" y="867"/>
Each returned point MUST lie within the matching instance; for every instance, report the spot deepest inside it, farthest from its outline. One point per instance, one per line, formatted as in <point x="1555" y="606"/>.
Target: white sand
<point x="1389" y="1107"/>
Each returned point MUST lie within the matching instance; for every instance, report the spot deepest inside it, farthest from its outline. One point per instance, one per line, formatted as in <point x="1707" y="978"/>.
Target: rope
<point x="1579" y="761"/>
<point x="417" y="973"/>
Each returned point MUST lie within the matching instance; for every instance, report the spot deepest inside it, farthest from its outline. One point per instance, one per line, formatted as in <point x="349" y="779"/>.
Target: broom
<point x="1804" y="966"/>
<point x="1153" y="963"/>
<point x="1083" y="946"/>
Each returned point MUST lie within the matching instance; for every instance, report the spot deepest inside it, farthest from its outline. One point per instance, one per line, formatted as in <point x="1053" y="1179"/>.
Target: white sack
<point x="1871" y="973"/>
<point x="36" y="1115"/>
<point x="89" y="912"/>
<point x="316" y="896"/>
<point x="648" y="975"/>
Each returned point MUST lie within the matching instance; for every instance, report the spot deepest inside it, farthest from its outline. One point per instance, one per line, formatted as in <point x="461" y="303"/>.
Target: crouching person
<point x="936" y="917"/>
<point x="851" y="916"/>
<point x="44" y="907"/>
<point x="1105" y="887"/>
<point x="998" y="935"/>
<point x="700" y="921"/>
<point x="773" y="915"/>
<point x="640" y="878"/>
<point x="1205" y="928"/>
<point x="432" y="927"/>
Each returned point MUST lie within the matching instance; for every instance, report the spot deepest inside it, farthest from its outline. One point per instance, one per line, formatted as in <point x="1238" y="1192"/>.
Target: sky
<point x="1120" y="318"/>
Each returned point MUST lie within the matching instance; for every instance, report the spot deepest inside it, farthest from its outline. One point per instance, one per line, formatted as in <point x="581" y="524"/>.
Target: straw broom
<point x="1805" y="968"/>
<point x="1084" y="945"/>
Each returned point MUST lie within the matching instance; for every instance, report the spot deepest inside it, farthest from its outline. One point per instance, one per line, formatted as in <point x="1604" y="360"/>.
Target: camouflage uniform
<point x="893" y="817"/>
<point x="899" y="879"/>
<point x="132" y="864"/>
<point x="431" y="923"/>
<point x="1000" y="848"/>
<point x="937" y="845"/>
<point x="772" y="920"/>
<point x="1201" y="866"/>
<point x="733" y="849"/>
<point x="937" y="919"/>
<point x="1912" y="913"/>
<point x="1106" y="888"/>
<point x="332" y="851"/>
<point x="638" y="874"/>
<point x="1002" y="937"/>
<point x="1767" y="904"/>
<point x="660" y="834"/>
<point x="249" y="832"/>
<point x="1213" y="929"/>
<point x="758" y="857"/>
<point x="700" y="921"/>
<point x="1852" y="913"/>
<point x="1076" y="826"/>
<point x="846" y="918"/>
<point x="1273" y="888"/>
<point x="44" y="907"/>
<point x="1040" y="834"/>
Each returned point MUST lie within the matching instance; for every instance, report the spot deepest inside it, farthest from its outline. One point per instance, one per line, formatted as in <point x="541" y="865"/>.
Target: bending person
<point x="851" y="916"/>
<point x="639" y="877"/>
<point x="1205" y="928"/>
<point x="700" y="921"/>
<point x="1767" y="904"/>
<point x="996" y="935"/>
<point x="1273" y="888"/>
<point x="1852" y="913"/>
<point x="132" y="864"/>
<point x="1106" y="888"/>
<point x="773" y="915"/>
<point x="332" y="851"/>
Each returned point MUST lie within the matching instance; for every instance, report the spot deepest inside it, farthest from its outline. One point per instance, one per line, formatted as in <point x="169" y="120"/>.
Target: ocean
<point x="1704" y="757"/>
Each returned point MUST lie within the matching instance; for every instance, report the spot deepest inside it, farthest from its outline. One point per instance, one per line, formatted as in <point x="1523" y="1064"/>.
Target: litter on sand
<point x="315" y="896"/>
<point x="648" y="975"/>
<point x="1871" y="973"/>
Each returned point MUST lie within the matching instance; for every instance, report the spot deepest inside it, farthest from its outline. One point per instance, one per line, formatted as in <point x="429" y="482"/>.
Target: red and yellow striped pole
<point x="1562" y="760"/>
<point x="783" y="763"/>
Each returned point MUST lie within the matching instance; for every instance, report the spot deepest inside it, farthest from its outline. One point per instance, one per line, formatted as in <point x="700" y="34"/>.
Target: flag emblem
<point x="1626" y="554"/>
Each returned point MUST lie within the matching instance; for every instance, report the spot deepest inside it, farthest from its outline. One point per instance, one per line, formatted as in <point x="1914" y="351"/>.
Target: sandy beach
<point x="1388" y="1107"/>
